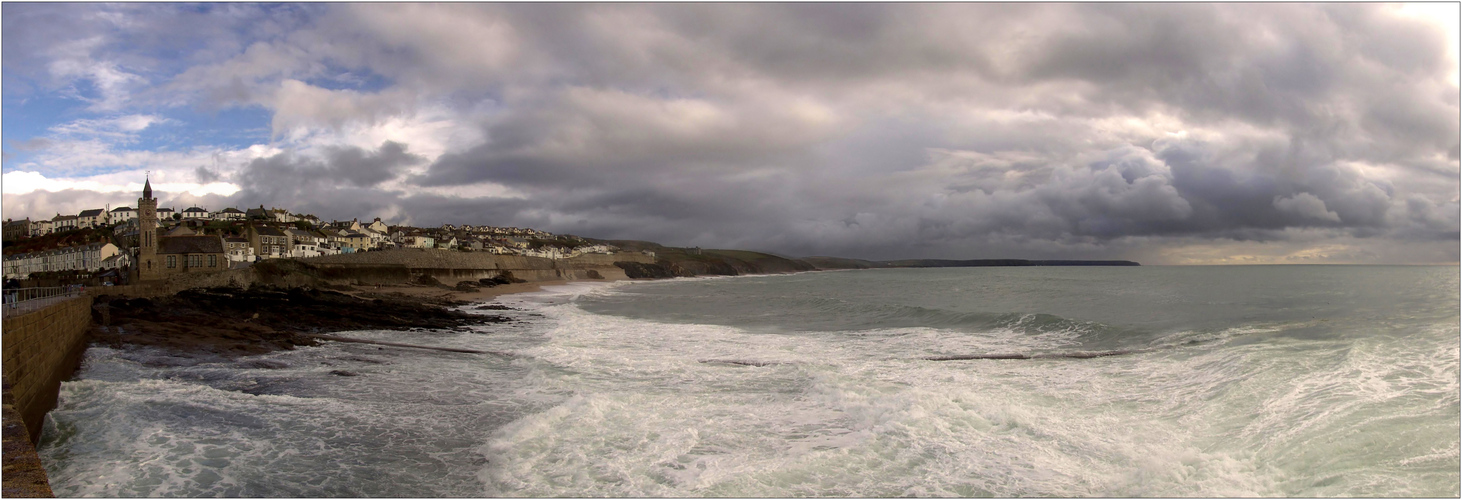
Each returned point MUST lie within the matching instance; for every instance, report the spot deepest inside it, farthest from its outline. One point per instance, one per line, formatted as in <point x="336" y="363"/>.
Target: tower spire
<point x="147" y="187"/>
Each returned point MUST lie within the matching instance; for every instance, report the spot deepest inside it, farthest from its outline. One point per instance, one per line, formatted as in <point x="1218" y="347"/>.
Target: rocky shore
<point x="237" y="321"/>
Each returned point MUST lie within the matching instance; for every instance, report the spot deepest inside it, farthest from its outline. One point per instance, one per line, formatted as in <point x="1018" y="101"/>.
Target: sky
<point x="1167" y="134"/>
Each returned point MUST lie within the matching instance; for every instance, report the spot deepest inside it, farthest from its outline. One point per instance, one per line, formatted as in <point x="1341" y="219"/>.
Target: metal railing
<point x="26" y="299"/>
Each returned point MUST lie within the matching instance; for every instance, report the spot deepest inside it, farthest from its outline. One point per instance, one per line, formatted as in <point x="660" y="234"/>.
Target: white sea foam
<point x="592" y="404"/>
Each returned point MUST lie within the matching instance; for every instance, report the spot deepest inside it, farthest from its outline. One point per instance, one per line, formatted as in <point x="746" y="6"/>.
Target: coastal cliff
<point x="686" y="262"/>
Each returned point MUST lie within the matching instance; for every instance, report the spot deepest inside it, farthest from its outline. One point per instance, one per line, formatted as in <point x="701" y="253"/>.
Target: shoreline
<point x="448" y="294"/>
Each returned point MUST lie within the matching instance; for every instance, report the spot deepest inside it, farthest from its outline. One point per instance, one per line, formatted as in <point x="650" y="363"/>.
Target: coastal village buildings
<point x="75" y="258"/>
<point x="156" y="243"/>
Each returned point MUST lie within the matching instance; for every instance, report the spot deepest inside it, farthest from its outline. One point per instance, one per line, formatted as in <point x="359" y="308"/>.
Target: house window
<point x="172" y="261"/>
<point x="212" y="261"/>
<point x="195" y="261"/>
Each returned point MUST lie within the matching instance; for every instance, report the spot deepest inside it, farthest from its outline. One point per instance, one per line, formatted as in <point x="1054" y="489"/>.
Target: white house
<point x="229" y="214"/>
<point x="40" y="227"/>
<point x="91" y="218"/>
<point x="122" y="214"/>
<point x="196" y="213"/>
<point x="63" y="223"/>
<point x="239" y="249"/>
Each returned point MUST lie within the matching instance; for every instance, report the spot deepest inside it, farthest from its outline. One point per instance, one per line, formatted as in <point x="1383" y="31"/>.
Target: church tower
<point x="148" y="267"/>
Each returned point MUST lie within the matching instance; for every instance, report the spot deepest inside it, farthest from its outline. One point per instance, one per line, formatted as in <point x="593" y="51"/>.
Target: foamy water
<point x="1267" y="384"/>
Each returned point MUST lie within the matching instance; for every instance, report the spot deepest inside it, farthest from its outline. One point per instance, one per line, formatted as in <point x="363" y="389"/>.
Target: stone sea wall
<point x="390" y="266"/>
<point x="41" y="348"/>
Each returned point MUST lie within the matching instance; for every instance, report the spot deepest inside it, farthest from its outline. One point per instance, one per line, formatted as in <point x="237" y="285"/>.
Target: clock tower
<point x="148" y="267"/>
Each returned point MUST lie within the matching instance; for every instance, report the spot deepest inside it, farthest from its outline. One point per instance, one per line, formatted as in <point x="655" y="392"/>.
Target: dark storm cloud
<point x="890" y="130"/>
<point x="344" y="183"/>
<point x="1312" y="90"/>
<point x="205" y="176"/>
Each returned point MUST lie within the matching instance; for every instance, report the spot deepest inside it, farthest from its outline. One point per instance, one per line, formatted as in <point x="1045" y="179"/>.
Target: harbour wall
<point x="41" y="348"/>
<point x="399" y="265"/>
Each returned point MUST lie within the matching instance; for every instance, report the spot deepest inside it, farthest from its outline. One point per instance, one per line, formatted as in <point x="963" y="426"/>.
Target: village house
<point x="229" y="214"/>
<point x="91" y="218"/>
<point x="165" y="214"/>
<point x="40" y="227"/>
<point x="355" y="241"/>
<point x="122" y="214"/>
<point x="268" y="242"/>
<point x="118" y="261"/>
<point x="417" y="240"/>
<point x="239" y="249"/>
<point x="196" y="213"/>
<point x="62" y="223"/>
<point x="17" y="229"/>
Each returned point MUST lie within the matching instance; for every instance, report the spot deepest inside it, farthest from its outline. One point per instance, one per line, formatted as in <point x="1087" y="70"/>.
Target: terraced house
<point x="268" y="242"/>
<point x="77" y="258"/>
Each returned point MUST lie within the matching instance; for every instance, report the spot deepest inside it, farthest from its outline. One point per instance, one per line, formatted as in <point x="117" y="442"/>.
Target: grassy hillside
<point x="59" y="240"/>
<point x="842" y="263"/>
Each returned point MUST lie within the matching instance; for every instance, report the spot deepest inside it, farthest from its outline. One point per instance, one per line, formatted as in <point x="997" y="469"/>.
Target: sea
<point x="1000" y="381"/>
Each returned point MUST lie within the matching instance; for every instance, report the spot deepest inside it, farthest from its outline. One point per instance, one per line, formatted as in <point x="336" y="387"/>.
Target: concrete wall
<point x="42" y="348"/>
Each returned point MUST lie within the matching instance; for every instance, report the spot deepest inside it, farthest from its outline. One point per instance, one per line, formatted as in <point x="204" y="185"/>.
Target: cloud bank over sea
<point x="1166" y="134"/>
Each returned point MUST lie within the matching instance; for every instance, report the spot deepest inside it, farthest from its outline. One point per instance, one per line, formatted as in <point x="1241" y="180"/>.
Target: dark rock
<point x="261" y="319"/>
<point x="344" y="373"/>
<point x="639" y="270"/>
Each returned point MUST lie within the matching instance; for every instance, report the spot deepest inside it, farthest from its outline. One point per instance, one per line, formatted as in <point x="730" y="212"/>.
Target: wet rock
<point x="261" y="319"/>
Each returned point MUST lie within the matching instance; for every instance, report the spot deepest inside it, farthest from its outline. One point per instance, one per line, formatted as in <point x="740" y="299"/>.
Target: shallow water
<point x="1221" y="381"/>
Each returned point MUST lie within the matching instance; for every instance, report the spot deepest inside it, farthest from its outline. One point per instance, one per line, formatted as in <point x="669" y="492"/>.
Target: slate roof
<point x="195" y="209"/>
<point x="231" y="210"/>
<point x="92" y="213"/>
<point x="191" y="244"/>
<point x="268" y="231"/>
<point x="123" y="209"/>
<point x="180" y="230"/>
<point x="64" y="217"/>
